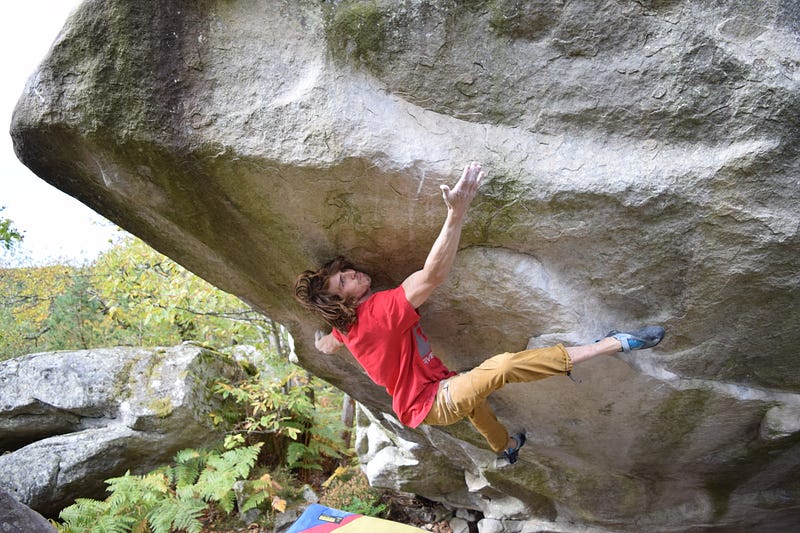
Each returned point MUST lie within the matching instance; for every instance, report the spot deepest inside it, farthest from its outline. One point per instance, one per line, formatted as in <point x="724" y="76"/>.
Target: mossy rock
<point x="356" y="31"/>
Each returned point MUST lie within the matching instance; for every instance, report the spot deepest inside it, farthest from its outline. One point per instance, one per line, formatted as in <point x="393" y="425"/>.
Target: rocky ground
<point x="419" y="512"/>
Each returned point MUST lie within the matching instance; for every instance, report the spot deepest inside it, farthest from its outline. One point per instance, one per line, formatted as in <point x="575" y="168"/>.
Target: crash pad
<point x="320" y="519"/>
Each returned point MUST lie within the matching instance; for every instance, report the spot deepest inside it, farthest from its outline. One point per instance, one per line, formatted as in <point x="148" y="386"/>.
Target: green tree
<point x="75" y="320"/>
<point x="26" y="298"/>
<point x="9" y="236"/>
<point x="131" y="295"/>
<point x="156" y="301"/>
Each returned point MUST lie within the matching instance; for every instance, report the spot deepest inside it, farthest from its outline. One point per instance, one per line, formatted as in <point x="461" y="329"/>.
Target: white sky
<point x="56" y="227"/>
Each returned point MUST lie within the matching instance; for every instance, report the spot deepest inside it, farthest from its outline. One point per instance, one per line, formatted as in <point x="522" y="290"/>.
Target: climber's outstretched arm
<point x="419" y="285"/>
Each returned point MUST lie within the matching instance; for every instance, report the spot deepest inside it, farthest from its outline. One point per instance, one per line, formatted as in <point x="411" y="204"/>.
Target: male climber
<point x="381" y="329"/>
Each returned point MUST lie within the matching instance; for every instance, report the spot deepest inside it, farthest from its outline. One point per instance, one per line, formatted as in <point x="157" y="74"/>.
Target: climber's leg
<point x="444" y="413"/>
<point x="459" y="395"/>
<point x="618" y="341"/>
<point x="484" y="420"/>
<point x="607" y="346"/>
<point x="465" y="394"/>
<point x="467" y="389"/>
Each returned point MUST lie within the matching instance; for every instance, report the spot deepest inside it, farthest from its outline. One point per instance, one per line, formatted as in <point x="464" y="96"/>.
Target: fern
<point x="174" y="498"/>
<point x="301" y="456"/>
<point x="189" y="464"/>
<point x="288" y="409"/>
<point x="222" y="471"/>
<point x="177" y="514"/>
<point x="92" y="516"/>
<point x="137" y="493"/>
<point x="217" y="486"/>
<point x="241" y="460"/>
<point x="82" y="514"/>
<point x="112" y="524"/>
<point x="258" y="491"/>
<point x="187" y="455"/>
<point x="170" y="498"/>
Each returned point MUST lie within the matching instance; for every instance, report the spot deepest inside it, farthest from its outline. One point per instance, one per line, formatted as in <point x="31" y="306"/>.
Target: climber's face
<point x="349" y="285"/>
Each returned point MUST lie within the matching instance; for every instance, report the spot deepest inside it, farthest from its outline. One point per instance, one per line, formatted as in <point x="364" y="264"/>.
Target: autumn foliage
<point x="131" y="296"/>
<point x="280" y="420"/>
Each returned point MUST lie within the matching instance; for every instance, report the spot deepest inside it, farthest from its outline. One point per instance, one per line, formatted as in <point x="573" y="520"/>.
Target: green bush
<point x="349" y="490"/>
<point x="172" y="498"/>
<point x="297" y="412"/>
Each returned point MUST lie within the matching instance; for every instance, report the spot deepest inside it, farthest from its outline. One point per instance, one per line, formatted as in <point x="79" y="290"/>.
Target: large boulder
<point x="18" y="518"/>
<point x="71" y="420"/>
<point x="643" y="162"/>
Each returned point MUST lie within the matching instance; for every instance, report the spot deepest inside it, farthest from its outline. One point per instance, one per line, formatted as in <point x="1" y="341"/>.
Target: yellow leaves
<point x="26" y="297"/>
<point x="224" y="387"/>
<point x="291" y="432"/>
<point x="265" y="488"/>
<point x="159" y="482"/>
<point x="340" y="470"/>
<point x="131" y="295"/>
<point x="279" y="504"/>
<point x="268" y="484"/>
<point x="266" y="478"/>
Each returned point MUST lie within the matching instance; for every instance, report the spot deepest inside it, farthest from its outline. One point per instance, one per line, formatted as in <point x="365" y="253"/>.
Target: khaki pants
<point x="465" y="395"/>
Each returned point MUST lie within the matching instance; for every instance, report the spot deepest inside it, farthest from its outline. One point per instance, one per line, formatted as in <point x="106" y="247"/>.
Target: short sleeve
<point x="399" y="312"/>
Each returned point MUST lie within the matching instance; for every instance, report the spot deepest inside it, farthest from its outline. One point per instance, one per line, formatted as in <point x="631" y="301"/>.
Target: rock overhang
<point x="642" y="160"/>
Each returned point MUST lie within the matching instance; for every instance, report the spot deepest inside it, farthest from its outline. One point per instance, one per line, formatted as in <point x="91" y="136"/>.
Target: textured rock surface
<point x="17" y="518"/>
<point x="71" y="420"/>
<point x="644" y="163"/>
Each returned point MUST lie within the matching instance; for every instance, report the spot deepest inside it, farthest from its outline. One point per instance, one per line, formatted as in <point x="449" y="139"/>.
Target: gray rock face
<point x="17" y="518"/>
<point x="644" y="163"/>
<point x="71" y="420"/>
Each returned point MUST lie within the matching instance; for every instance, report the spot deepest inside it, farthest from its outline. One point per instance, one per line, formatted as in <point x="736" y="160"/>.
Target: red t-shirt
<point x="389" y="344"/>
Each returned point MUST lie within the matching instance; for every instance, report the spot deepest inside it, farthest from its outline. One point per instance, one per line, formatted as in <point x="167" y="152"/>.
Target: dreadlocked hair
<point x="309" y="290"/>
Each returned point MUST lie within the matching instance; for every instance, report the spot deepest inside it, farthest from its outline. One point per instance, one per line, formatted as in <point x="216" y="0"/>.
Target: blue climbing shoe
<point x="639" y="339"/>
<point x="512" y="453"/>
